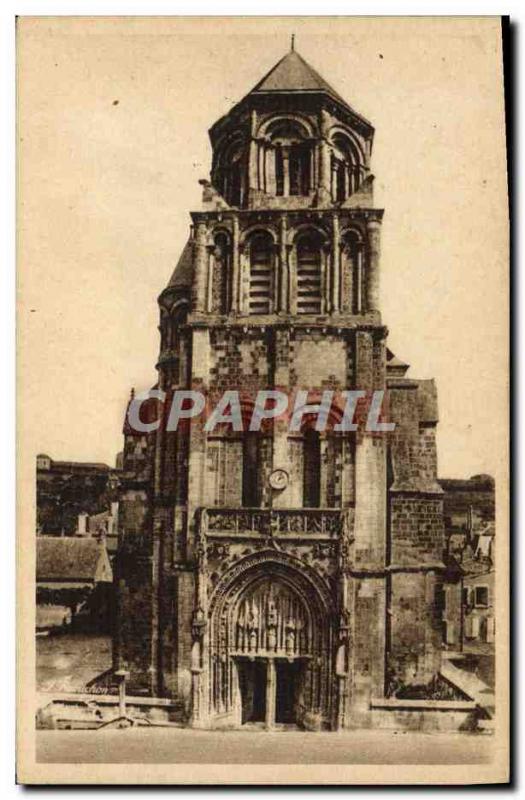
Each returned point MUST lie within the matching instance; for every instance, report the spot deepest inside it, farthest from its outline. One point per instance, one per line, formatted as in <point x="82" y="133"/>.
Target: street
<point x="184" y="746"/>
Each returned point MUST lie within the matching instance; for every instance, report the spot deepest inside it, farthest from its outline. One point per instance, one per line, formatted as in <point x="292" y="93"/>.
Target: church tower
<point x="281" y="576"/>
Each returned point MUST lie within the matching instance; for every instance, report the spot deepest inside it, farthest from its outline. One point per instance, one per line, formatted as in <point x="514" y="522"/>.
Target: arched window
<point x="292" y="152"/>
<point x="352" y="277"/>
<point x="261" y="274"/>
<point x="346" y="171"/>
<point x="234" y="195"/>
<point x="339" y="168"/>
<point x="312" y="469"/>
<point x="219" y="283"/>
<point x="309" y="274"/>
<point x="250" y="470"/>
<point x="299" y="169"/>
<point x="229" y="172"/>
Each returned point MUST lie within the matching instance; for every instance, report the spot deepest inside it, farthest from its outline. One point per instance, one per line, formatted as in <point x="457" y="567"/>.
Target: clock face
<point x="279" y="479"/>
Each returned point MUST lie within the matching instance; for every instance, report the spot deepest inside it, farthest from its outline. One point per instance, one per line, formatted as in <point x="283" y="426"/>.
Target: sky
<point x="113" y="115"/>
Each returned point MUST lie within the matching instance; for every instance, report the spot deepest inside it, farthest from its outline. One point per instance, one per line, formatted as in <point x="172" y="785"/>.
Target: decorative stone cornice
<point x="304" y="214"/>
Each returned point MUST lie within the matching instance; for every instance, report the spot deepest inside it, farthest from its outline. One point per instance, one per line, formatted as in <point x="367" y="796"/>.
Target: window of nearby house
<point x="261" y="274"/>
<point x="309" y="274"/>
<point x="482" y="595"/>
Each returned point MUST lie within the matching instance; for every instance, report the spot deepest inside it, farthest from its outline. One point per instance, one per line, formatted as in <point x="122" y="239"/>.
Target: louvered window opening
<point x="309" y="278"/>
<point x="261" y="277"/>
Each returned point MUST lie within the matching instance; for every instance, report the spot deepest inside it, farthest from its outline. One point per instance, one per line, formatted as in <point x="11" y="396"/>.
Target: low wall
<point x="424" y="715"/>
<point x="61" y="710"/>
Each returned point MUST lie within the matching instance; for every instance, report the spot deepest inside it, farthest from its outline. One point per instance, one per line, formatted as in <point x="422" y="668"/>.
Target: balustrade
<point x="273" y="521"/>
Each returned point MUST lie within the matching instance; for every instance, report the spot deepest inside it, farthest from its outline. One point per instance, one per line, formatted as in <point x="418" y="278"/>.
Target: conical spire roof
<point x="293" y="74"/>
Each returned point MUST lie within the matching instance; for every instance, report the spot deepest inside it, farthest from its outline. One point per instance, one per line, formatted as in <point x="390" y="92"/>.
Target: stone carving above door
<point x="272" y="620"/>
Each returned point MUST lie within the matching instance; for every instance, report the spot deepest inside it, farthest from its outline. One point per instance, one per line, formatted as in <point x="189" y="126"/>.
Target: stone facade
<point x="300" y="602"/>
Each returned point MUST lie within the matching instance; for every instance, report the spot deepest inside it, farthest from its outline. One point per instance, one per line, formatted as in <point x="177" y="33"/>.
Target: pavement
<point x="184" y="746"/>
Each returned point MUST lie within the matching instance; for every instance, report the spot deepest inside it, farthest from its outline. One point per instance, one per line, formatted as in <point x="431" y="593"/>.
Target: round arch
<point x="338" y="135"/>
<point x="255" y="230"/>
<point x="352" y="231"/>
<point x="304" y="125"/>
<point x="306" y="229"/>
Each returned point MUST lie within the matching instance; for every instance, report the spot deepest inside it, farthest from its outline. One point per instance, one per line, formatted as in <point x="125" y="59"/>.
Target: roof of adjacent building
<point x="93" y="466"/>
<point x="68" y="558"/>
<point x="483" y="483"/>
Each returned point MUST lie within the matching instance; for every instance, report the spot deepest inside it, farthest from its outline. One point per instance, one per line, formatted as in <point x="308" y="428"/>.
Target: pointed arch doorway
<point x="270" y="647"/>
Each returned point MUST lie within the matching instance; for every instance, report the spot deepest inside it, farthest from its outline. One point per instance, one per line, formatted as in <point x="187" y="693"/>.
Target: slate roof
<point x="293" y="74"/>
<point x="183" y="273"/>
<point x="67" y="558"/>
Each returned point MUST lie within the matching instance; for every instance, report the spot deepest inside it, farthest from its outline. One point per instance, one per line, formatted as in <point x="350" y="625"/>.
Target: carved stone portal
<point x="270" y="645"/>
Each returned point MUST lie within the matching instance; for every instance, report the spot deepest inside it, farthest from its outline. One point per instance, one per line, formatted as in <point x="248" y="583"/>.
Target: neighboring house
<point x="65" y="489"/>
<point x="103" y="527"/>
<point x="478" y="604"/>
<point x="468" y="590"/>
<point x="73" y="577"/>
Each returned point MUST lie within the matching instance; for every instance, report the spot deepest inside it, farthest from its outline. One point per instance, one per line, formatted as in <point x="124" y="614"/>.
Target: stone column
<point x="283" y="267"/>
<point x="370" y="459"/>
<point x="212" y="264"/>
<point x="359" y="280"/>
<point x="271" y="187"/>
<point x="261" y="159"/>
<point x="286" y="171"/>
<point x="323" y="477"/>
<point x="244" y="280"/>
<point x="335" y="304"/>
<point x="200" y="255"/>
<point x="324" y="193"/>
<point x="235" y="266"/>
<point x="281" y="445"/>
<point x="253" y="181"/>
<point x="270" y="693"/>
<point x="372" y="271"/>
<point x="323" y="188"/>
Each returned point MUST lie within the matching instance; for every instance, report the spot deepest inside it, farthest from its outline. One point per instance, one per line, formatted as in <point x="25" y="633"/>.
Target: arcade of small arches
<point x="288" y="158"/>
<point x="308" y="273"/>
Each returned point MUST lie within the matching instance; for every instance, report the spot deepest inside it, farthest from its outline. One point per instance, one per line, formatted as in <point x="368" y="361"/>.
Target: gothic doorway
<point x="270" y="645"/>
<point x="288" y="679"/>
<point x="252" y="687"/>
